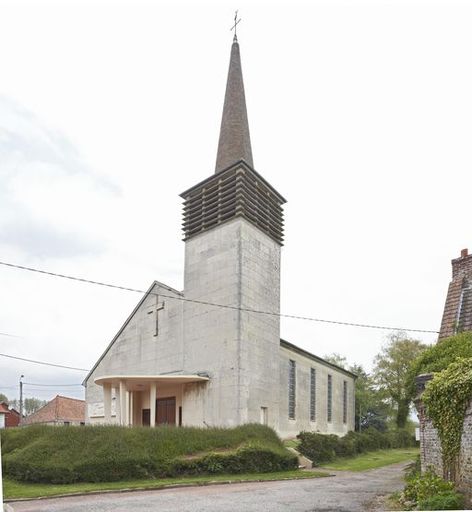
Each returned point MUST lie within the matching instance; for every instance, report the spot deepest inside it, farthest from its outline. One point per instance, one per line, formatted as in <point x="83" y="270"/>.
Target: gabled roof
<point x="4" y="408"/>
<point x="302" y="352"/>
<point x="61" y="408"/>
<point x="138" y="305"/>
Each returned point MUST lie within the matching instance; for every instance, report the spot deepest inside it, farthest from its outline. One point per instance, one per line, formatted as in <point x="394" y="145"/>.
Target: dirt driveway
<point x="344" y="492"/>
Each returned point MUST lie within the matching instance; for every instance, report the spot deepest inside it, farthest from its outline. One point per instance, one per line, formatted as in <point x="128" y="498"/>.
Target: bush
<point x="430" y="492"/>
<point x="324" y="448"/>
<point x="108" y="453"/>
<point x="438" y="357"/>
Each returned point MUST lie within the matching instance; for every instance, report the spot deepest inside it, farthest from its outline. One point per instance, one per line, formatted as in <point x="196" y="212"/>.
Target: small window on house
<point x="330" y="398"/>
<point x="312" y="394"/>
<point x="291" y="389"/>
<point x="344" y="401"/>
<point x="82" y="423"/>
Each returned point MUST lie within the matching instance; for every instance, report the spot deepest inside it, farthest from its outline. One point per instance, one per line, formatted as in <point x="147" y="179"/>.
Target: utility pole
<point x="21" y="399"/>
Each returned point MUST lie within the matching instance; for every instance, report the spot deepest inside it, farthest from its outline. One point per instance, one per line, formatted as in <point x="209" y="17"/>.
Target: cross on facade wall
<point x="159" y="307"/>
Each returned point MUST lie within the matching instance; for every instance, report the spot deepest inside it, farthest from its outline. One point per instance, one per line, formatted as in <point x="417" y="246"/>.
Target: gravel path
<point x="346" y="491"/>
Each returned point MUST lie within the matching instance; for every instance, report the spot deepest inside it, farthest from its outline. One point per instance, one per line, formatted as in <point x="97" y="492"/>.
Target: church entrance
<point x="165" y="412"/>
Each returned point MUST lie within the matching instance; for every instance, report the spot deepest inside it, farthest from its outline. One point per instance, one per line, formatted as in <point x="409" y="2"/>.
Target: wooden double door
<point x="165" y="412"/>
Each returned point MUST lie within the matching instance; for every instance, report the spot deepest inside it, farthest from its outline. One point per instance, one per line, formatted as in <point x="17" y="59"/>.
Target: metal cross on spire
<point x="236" y="21"/>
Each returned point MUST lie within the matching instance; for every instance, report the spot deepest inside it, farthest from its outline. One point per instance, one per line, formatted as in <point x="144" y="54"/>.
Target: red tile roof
<point x="59" y="409"/>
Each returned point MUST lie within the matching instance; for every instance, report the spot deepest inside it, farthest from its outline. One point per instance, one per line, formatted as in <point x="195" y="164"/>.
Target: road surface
<point x="346" y="491"/>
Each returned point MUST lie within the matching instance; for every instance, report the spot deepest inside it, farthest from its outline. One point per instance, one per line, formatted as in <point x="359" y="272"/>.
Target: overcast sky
<point x="360" y="115"/>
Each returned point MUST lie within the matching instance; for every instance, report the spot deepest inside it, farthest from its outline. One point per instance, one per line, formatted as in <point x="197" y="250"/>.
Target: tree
<point x="336" y="359"/>
<point x="31" y="405"/>
<point x="4" y="398"/>
<point x="391" y="372"/>
<point x="370" y="409"/>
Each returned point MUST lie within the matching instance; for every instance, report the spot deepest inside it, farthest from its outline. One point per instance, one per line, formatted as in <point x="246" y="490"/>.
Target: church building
<point x="211" y="355"/>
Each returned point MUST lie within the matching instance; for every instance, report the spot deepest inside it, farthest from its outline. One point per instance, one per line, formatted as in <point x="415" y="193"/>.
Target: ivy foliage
<point x="446" y="398"/>
<point x="438" y="357"/>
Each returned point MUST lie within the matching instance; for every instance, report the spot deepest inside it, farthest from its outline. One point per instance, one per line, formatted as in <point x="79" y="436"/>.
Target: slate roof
<point x="234" y="142"/>
<point x="457" y="316"/>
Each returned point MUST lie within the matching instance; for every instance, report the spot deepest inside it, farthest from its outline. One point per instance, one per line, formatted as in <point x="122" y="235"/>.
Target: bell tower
<point x="233" y="233"/>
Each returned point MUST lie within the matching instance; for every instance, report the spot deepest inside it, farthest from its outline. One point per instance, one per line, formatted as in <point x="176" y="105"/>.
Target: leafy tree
<point x="371" y="410"/>
<point x="31" y="405"/>
<point x="4" y="398"/>
<point x="438" y="357"/>
<point x="336" y="359"/>
<point x="392" y="369"/>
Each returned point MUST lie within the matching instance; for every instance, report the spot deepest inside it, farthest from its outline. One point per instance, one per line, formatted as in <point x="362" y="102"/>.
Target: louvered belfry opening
<point x="238" y="191"/>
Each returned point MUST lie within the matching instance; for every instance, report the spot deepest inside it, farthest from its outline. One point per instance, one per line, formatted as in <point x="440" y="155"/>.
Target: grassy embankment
<point x="365" y="461"/>
<point x="372" y="460"/>
<point x="55" y="460"/>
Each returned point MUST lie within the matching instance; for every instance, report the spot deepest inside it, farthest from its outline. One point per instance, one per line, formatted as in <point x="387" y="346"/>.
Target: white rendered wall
<point x="137" y="351"/>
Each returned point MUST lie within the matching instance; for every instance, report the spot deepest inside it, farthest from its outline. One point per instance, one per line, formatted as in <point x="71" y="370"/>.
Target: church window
<point x="330" y="398"/>
<point x="291" y="389"/>
<point x="312" y="394"/>
<point x="264" y="415"/>
<point x="344" y="401"/>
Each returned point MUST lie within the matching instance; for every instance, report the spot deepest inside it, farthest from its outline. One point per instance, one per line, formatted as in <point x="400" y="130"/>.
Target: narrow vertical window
<point x="330" y="398"/>
<point x="264" y="416"/>
<point x="312" y="394"/>
<point x="291" y="389"/>
<point x="344" y="401"/>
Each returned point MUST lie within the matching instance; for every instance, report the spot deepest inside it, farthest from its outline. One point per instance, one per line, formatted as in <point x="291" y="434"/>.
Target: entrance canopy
<point x="140" y="382"/>
<point x="132" y="390"/>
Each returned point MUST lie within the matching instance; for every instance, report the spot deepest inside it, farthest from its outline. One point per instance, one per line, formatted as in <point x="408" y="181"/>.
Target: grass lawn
<point x="373" y="460"/>
<point x="15" y="490"/>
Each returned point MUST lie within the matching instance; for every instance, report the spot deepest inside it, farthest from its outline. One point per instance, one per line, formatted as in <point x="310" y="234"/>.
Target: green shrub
<point x="428" y="491"/>
<point x="109" y="453"/>
<point x="324" y="448"/>
<point x="447" y="500"/>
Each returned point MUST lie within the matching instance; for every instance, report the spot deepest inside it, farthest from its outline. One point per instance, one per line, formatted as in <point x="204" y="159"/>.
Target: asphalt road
<point x="344" y="492"/>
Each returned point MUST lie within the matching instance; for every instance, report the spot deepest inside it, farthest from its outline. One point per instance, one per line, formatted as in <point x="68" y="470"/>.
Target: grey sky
<point x="359" y="115"/>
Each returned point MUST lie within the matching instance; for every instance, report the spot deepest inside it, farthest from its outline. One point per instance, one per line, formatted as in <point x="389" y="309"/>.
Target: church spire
<point x="234" y="143"/>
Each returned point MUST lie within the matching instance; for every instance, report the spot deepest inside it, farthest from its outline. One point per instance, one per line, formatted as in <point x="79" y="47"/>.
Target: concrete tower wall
<point x="234" y="264"/>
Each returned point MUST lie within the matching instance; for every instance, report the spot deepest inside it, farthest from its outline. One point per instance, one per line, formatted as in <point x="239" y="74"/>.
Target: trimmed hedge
<point x="104" y="454"/>
<point x="324" y="448"/>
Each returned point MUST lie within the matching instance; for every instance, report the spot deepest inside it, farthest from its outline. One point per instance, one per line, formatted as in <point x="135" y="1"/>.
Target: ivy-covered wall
<point x="430" y="445"/>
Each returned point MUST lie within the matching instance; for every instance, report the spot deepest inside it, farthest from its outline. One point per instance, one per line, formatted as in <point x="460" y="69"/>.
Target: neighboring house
<point x="61" y="410"/>
<point x="206" y="356"/>
<point x="8" y="417"/>
<point x="457" y="316"/>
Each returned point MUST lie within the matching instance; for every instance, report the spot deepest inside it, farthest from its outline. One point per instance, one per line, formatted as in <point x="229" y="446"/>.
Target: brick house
<point x="8" y="417"/>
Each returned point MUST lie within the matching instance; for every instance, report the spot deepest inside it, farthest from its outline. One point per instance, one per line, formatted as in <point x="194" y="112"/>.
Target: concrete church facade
<point x="205" y="356"/>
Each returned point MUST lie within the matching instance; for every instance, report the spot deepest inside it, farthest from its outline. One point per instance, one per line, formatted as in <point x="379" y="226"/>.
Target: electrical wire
<point x="44" y="363"/>
<point x="213" y="304"/>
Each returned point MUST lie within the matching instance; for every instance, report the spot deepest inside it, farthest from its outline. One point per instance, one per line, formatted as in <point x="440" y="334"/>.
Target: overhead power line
<point x="9" y="335"/>
<point x="44" y="363"/>
<point x="50" y="385"/>
<point x="206" y="303"/>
